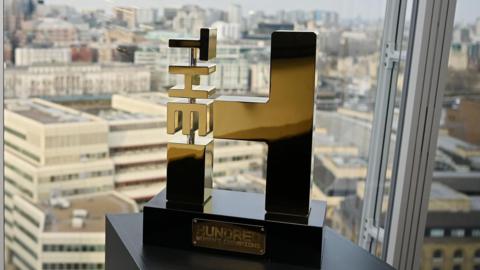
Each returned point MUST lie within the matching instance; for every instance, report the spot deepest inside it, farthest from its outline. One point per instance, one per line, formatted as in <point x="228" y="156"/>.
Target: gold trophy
<point x="283" y="225"/>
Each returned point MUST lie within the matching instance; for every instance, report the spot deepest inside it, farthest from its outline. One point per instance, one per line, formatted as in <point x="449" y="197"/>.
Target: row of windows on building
<point x="438" y="254"/>
<point x="22" y="190"/>
<point x="22" y="151"/>
<point x="457" y="267"/>
<point x="454" y="232"/>
<point x="18" y="171"/>
<point x="73" y="248"/>
<point x="75" y="176"/>
<point x="75" y="140"/>
<point x="75" y="158"/>
<point x="72" y="266"/>
<point x="135" y="126"/>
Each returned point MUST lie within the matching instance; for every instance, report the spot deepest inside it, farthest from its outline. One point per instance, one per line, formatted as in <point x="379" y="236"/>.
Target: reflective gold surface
<point x="189" y="117"/>
<point x="190" y="159"/>
<point x="189" y="170"/>
<point x="284" y="121"/>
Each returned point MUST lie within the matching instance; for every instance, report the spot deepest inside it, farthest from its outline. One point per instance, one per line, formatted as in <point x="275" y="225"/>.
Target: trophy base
<point x="236" y="223"/>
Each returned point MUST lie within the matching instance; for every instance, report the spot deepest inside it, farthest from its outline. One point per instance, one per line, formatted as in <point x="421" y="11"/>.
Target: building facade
<point x="75" y="79"/>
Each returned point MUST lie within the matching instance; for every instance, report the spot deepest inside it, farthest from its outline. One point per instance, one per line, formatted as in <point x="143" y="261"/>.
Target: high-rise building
<point x="56" y="158"/>
<point x="227" y="31"/>
<point x="56" y="31"/>
<point x="235" y="14"/>
<point x="146" y="15"/>
<point x="126" y="15"/>
<point x="189" y="19"/>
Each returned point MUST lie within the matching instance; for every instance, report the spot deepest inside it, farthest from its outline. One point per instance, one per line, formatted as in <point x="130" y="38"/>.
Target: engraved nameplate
<point x="228" y="236"/>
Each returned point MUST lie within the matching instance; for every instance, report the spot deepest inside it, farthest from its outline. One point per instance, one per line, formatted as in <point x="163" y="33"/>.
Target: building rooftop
<point x="45" y="112"/>
<point x="458" y="147"/>
<point x="349" y="161"/>
<point x="442" y="192"/>
<point x="112" y="114"/>
<point x="61" y="219"/>
<point x="157" y="98"/>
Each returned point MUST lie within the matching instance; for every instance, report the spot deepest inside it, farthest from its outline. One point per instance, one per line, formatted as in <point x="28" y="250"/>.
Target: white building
<point x="235" y="14"/>
<point x="189" y="19"/>
<point x="31" y="56"/>
<point x="146" y="15"/>
<point x="137" y="143"/>
<point x="48" y="236"/>
<point x="57" y="31"/>
<point x="50" y="152"/>
<point x="227" y="31"/>
<point x="232" y="75"/>
<point x="77" y="79"/>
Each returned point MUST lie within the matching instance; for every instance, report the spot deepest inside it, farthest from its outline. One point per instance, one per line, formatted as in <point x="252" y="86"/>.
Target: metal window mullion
<point x="422" y="111"/>
<point x="415" y="190"/>
<point x="2" y="185"/>
<point x="431" y="136"/>
<point x="383" y="117"/>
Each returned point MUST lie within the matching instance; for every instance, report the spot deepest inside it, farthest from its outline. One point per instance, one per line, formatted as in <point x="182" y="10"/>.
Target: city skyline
<point x="347" y="9"/>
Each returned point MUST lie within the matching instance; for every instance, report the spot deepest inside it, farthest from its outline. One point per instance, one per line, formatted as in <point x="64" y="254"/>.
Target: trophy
<point x="283" y="225"/>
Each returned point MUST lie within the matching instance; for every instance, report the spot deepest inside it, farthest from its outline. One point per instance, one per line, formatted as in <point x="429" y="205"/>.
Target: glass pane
<point x="85" y="100"/>
<point x="453" y="223"/>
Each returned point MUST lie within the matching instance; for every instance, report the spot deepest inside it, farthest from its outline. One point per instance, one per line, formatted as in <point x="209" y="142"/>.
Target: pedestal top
<point x="124" y="250"/>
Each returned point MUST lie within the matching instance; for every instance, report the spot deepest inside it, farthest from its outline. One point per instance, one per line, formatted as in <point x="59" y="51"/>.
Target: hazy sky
<point x="467" y="10"/>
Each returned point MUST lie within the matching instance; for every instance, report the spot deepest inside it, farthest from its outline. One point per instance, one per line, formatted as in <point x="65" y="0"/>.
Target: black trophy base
<point x="237" y="223"/>
<point x="125" y="251"/>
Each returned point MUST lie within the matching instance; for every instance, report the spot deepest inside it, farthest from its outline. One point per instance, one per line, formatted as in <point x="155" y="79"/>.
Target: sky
<point x="467" y="10"/>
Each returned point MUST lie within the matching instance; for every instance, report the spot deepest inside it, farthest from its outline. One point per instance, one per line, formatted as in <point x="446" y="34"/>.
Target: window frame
<point x="418" y="132"/>
<point x="371" y="231"/>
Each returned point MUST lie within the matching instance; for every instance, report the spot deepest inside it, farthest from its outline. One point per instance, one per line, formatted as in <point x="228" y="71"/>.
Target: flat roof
<point x="440" y="191"/>
<point x="60" y="220"/>
<point x="111" y="114"/>
<point x="157" y="98"/>
<point x="348" y="161"/>
<point x="45" y="112"/>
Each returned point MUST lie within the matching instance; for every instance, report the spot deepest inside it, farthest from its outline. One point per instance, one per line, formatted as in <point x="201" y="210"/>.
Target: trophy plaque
<point x="283" y="225"/>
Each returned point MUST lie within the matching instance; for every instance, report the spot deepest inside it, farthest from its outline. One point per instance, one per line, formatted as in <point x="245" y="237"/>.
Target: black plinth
<point x="295" y="241"/>
<point x="124" y="251"/>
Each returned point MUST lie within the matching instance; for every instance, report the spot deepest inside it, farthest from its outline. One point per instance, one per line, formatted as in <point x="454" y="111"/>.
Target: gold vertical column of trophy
<point x="190" y="159"/>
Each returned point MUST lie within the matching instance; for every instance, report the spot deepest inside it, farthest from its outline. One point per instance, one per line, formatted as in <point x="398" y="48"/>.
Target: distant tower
<point x="235" y="14"/>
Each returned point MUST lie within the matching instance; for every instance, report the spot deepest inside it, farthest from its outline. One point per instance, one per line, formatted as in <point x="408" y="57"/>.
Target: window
<point x="457" y="232"/>
<point x="101" y="104"/>
<point x="437" y="232"/>
<point x="458" y="254"/>
<point x="454" y="192"/>
<point x="477" y="254"/>
<point x="438" y="254"/>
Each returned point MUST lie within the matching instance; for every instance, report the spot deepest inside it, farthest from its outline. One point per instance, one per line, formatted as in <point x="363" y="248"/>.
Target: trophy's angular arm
<point x="284" y="121"/>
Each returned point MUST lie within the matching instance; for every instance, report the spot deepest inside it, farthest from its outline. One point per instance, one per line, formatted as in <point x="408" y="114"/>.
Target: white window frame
<point x="371" y="231"/>
<point x="2" y="221"/>
<point x="425" y="73"/>
<point x="417" y="134"/>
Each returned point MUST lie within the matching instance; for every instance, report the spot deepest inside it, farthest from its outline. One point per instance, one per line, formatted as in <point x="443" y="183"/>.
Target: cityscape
<point x="85" y="122"/>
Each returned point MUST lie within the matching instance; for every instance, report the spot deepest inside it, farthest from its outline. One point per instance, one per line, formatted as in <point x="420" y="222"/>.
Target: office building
<point x="189" y="19"/>
<point x="33" y="56"/>
<point x="227" y="31"/>
<point x="67" y="234"/>
<point x="75" y="79"/>
<point x="56" y="31"/>
<point x="52" y="155"/>
<point x="126" y="15"/>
